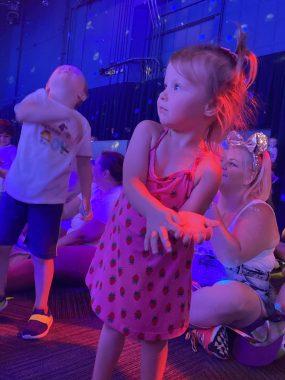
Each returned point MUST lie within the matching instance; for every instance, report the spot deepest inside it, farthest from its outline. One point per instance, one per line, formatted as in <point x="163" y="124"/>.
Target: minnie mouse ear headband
<point x="256" y="144"/>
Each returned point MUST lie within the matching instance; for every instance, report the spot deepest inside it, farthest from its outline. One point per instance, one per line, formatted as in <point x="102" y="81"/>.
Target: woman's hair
<point x="113" y="162"/>
<point x="6" y="127"/>
<point x="228" y="76"/>
<point x="260" y="187"/>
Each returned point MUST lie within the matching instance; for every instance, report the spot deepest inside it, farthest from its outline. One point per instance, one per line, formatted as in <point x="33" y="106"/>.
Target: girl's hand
<point x="196" y="228"/>
<point x="158" y="224"/>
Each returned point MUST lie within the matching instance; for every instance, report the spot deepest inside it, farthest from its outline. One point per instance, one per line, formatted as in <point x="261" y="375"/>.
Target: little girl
<point x="170" y="169"/>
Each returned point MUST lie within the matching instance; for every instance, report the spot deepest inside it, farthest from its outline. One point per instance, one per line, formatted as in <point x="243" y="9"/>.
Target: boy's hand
<point x="158" y="224"/>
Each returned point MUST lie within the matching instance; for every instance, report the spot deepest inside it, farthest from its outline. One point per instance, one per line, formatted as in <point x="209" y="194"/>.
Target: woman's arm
<point x="87" y="233"/>
<point x="280" y="251"/>
<point x="255" y="231"/>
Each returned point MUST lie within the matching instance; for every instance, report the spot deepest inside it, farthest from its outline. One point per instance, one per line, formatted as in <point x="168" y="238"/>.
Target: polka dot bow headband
<point x="256" y="144"/>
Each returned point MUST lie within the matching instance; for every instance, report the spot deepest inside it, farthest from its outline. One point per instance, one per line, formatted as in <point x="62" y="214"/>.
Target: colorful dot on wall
<point x="269" y="17"/>
<point x="127" y="32"/>
<point x="148" y="70"/>
<point x="11" y="79"/>
<point x="96" y="56"/>
<point x="229" y="37"/>
<point x="89" y="25"/>
<point x="212" y="5"/>
<point x="115" y="145"/>
<point x="202" y="37"/>
<point x="33" y="69"/>
<point x="244" y="27"/>
<point x="182" y="23"/>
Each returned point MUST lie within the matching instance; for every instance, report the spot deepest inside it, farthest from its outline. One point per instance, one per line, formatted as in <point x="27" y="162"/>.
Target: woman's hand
<point x="195" y="227"/>
<point x="86" y="210"/>
<point x="158" y="224"/>
<point x="213" y="212"/>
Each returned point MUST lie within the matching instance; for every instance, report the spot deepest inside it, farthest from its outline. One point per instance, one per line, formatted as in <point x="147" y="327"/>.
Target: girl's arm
<point x="197" y="228"/>
<point x="160" y="219"/>
<point x="207" y="183"/>
<point x="255" y="231"/>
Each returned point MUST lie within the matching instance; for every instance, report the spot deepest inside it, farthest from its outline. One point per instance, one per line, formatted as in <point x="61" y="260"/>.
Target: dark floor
<point x="69" y="350"/>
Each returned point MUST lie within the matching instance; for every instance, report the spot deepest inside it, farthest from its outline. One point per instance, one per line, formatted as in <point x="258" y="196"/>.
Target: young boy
<point x="53" y="135"/>
<point x="7" y="150"/>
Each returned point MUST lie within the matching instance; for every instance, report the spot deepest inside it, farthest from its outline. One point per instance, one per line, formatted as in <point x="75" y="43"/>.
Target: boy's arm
<point x="38" y="108"/>
<point x="85" y="179"/>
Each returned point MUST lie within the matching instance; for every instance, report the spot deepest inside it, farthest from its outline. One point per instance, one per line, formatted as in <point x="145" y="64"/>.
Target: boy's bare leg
<point x="4" y="262"/>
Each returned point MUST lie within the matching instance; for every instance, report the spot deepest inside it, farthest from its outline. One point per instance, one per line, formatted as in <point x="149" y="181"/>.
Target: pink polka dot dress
<point x="137" y="293"/>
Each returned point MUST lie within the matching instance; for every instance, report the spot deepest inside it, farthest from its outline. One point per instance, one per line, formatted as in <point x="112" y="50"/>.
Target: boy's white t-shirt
<point x="41" y="169"/>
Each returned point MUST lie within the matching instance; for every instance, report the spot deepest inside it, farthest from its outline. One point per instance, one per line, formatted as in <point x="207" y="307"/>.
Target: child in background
<point x="7" y="150"/>
<point x="171" y="175"/>
<point x="53" y="135"/>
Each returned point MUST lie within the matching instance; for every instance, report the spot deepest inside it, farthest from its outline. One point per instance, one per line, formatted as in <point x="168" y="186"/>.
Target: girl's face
<point x="237" y="168"/>
<point x="5" y="139"/>
<point x="181" y="106"/>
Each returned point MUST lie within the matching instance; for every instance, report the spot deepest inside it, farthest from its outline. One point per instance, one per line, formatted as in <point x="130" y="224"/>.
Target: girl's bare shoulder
<point x="152" y="128"/>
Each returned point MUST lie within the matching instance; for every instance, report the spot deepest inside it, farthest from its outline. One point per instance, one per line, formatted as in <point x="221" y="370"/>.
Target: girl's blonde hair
<point x="228" y="77"/>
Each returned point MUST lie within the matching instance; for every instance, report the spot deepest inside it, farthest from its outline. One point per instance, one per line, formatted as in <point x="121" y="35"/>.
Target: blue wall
<point x="100" y="33"/>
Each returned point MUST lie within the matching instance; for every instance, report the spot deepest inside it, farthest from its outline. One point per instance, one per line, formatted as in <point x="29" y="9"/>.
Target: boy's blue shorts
<point x="43" y="225"/>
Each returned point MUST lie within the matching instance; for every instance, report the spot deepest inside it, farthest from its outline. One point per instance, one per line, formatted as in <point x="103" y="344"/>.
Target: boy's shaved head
<point x="68" y="79"/>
